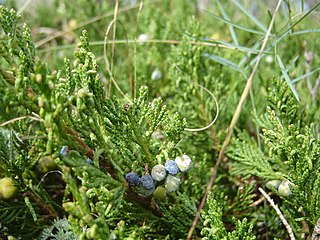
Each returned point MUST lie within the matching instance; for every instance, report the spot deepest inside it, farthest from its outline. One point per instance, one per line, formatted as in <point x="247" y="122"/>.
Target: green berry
<point x="146" y="192"/>
<point x="46" y="164"/>
<point x="8" y="189"/>
<point x="160" y="194"/>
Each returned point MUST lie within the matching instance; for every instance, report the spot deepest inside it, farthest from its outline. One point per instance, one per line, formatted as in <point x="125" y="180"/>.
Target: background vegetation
<point x="131" y="84"/>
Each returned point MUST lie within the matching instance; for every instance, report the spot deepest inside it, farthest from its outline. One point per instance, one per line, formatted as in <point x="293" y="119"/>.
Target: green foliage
<point x="214" y="227"/>
<point x="17" y="219"/>
<point x="179" y="215"/>
<point x="59" y="230"/>
<point x="61" y="85"/>
<point x="290" y="152"/>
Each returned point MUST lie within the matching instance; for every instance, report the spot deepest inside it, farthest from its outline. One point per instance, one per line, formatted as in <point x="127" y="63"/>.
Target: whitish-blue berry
<point x="156" y="74"/>
<point x="64" y="151"/>
<point x="171" y="183"/>
<point x="158" y="172"/>
<point x="89" y="161"/>
<point x="147" y="181"/>
<point x="273" y="184"/>
<point x="184" y="163"/>
<point x="146" y="192"/>
<point x="133" y="179"/>
<point x="284" y="188"/>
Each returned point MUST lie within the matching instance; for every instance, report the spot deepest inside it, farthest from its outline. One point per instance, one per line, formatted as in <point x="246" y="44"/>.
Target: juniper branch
<point x="233" y="122"/>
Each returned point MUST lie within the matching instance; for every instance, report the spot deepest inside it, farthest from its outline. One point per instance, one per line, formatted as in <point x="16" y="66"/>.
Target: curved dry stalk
<point x="20" y="118"/>
<point x="234" y="120"/>
<point x="44" y="176"/>
<point x="217" y="114"/>
<point x="275" y="207"/>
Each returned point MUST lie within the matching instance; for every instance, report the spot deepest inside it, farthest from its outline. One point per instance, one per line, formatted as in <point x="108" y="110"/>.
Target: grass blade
<point x="299" y="20"/>
<point x="305" y="75"/>
<point x="225" y="15"/>
<point x="233" y="46"/>
<point x="227" y="21"/>
<point x="223" y="61"/>
<point x="305" y="32"/>
<point x="287" y="78"/>
<point x="251" y="16"/>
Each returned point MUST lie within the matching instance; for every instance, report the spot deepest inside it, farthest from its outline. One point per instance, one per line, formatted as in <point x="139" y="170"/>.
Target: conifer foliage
<point x="124" y="148"/>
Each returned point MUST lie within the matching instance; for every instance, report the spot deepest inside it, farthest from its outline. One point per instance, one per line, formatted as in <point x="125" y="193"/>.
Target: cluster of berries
<point x="283" y="187"/>
<point x="167" y="173"/>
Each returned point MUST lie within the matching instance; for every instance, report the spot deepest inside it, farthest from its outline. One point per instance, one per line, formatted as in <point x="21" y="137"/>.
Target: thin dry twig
<point x="135" y="50"/>
<point x="275" y="207"/>
<point x="233" y="123"/>
<point x="158" y="41"/>
<point x="215" y="118"/>
<point x="116" y="9"/>
<point x="312" y="89"/>
<point x="108" y="64"/>
<point x="20" y="118"/>
<point x="84" y="23"/>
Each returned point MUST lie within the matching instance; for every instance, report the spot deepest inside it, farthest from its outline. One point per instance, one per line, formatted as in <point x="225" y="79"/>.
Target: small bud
<point x="158" y="172"/>
<point x="64" y="151"/>
<point x="172" y="183"/>
<point x="83" y="92"/>
<point x="184" y="163"/>
<point x="88" y="160"/>
<point x="38" y="78"/>
<point x="308" y="56"/>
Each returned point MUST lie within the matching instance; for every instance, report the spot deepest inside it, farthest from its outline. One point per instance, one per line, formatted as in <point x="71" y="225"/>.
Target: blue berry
<point x="89" y="161"/>
<point x="133" y="179"/>
<point x="171" y="167"/>
<point x="64" y="151"/>
<point x="147" y="181"/>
